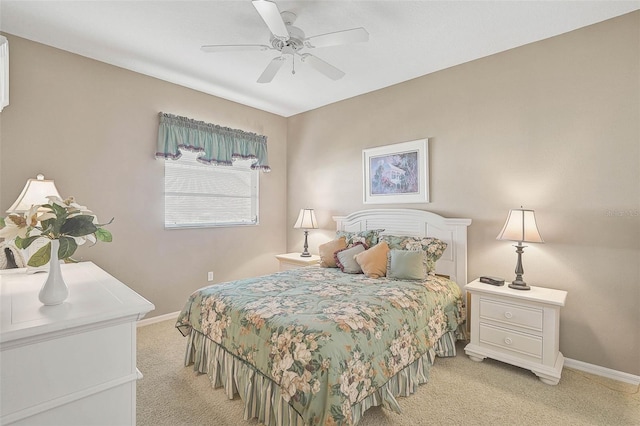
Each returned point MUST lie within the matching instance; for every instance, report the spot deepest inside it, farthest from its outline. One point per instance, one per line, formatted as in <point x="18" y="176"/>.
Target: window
<point x="199" y="195"/>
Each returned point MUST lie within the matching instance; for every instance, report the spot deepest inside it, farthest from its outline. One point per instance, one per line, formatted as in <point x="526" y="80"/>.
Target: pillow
<point x="373" y="262"/>
<point x="327" y="250"/>
<point x="406" y="264"/>
<point x="369" y="238"/>
<point x="345" y="258"/>
<point x="432" y="246"/>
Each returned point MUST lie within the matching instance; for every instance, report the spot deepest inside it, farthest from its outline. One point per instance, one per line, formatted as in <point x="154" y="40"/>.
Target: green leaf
<point x="41" y="257"/>
<point x="79" y="226"/>
<point x="57" y="209"/>
<point x="53" y="225"/>
<point x="23" y="243"/>
<point x="2" y="224"/>
<point x="68" y="246"/>
<point x="104" y="235"/>
<point x="47" y="226"/>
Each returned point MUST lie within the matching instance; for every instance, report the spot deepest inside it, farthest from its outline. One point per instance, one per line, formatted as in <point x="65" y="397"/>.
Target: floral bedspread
<point x="327" y="338"/>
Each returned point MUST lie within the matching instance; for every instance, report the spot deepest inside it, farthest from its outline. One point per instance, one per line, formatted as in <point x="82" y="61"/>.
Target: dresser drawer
<point x="66" y="367"/>
<point x="508" y="313"/>
<point x="524" y="344"/>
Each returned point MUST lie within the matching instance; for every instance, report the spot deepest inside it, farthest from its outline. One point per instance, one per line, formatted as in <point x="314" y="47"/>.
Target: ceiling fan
<point x="290" y="40"/>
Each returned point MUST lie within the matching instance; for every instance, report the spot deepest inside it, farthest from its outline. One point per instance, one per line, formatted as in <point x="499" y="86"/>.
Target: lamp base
<point x="519" y="285"/>
<point x="305" y="252"/>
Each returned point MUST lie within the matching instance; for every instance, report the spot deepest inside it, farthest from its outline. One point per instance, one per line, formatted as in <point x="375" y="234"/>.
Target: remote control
<point x="492" y="280"/>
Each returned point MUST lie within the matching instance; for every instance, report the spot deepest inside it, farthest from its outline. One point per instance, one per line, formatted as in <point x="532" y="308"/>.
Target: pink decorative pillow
<point x="327" y="251"/>
<point x="374" y="261"/>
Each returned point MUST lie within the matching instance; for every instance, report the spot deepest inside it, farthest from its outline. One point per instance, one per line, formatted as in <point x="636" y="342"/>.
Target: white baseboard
<point x="602" y="371"/>
<point x="159" y="318"/>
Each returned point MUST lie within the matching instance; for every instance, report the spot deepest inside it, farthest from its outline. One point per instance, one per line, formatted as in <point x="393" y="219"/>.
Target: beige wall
<point x="93" y="127"/>
<point x="552" y="126"/>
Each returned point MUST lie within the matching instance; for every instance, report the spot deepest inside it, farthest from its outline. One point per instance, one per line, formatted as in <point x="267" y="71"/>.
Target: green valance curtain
<point x="217" y="145"/>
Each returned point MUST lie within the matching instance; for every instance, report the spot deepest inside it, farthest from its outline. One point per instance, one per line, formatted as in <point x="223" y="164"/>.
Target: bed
<point x="318" y="346"/>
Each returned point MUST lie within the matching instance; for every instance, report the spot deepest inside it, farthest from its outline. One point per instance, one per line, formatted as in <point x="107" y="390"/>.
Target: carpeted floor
<point x="459" y="392"/>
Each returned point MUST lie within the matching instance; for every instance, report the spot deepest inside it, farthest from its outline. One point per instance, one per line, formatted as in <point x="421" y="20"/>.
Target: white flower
<point x="81" y="240"/>
<point x="301" y="353"/>
<point x="14" y="226"/>
<point x="69" y="204"/>
<point x="288" y="386"/>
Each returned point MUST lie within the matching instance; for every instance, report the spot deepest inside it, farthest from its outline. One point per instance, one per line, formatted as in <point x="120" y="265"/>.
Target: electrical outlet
<point x="209" y="276"/>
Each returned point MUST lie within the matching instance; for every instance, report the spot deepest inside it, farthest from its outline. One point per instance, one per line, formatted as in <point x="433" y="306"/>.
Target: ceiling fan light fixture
<point x="290" y="40"/>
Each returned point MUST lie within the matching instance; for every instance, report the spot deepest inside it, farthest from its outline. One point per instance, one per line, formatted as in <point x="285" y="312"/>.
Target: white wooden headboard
<point x="418" y="223"/>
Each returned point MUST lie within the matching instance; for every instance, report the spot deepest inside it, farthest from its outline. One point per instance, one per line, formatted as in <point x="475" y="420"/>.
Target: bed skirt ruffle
<point x="262" y="397"/>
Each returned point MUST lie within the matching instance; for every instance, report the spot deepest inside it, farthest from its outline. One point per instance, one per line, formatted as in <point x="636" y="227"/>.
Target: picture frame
<point x="397" y="173"/>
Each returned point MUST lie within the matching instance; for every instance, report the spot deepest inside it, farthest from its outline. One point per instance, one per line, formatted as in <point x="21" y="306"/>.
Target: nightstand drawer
<point x="508" y="313"/>
<point x="524" y="344"/>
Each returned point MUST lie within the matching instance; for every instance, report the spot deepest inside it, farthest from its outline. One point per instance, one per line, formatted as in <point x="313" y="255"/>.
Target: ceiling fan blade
<point x="322" y="66"/>
<point x="355" y="35"/>
<point x="271" y="70"/>
<point x="234" y="47"/>
<point x="271" y="16"/>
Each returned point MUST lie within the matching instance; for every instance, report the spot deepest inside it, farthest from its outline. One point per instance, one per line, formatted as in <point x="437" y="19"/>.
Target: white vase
<point x="54" y="290"/>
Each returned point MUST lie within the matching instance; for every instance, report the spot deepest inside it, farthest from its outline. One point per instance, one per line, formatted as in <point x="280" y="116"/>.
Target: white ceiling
<point x="408" y="39"/>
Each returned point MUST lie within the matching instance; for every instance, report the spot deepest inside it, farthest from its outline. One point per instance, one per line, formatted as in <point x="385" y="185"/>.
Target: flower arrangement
<point x="63" y="220"/>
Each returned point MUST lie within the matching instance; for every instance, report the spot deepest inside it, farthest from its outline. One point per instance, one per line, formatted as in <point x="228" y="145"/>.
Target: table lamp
<point x="306" y="220"/>
<point x="521" y="227"/>
<point x="35" y="192"/>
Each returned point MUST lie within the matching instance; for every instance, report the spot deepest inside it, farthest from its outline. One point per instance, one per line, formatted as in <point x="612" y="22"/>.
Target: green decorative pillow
<point x="406" y="264"/>
<point x="433" y="247"/>
<point x="345" y="259"/>
<point x="369" y="238"/>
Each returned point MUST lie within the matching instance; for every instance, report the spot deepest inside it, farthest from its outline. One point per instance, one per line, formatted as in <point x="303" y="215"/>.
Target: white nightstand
<point x="518" y="327"/>
<point x="294" y="260"/>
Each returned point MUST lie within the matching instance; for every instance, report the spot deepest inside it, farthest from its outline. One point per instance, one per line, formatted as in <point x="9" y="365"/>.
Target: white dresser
<point x="73" y="363"/>
<point x="519" y="327"/>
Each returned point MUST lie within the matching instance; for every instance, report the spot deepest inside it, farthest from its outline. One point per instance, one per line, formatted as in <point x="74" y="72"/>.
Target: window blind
<point x="198" y="195"/>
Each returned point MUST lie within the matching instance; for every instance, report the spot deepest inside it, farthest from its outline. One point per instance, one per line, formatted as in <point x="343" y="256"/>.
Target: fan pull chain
<point x="293" y="64"/>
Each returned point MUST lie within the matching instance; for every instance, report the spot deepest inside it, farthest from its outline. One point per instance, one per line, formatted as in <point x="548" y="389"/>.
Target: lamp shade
<point x="521" y="226"/>
<point x="35" y="191"/>
<point x="306" y="220"/>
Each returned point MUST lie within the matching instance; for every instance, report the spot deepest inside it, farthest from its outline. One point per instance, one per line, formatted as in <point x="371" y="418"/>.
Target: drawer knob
<point x="508" y="340"/>
<point x="508" y="315"/>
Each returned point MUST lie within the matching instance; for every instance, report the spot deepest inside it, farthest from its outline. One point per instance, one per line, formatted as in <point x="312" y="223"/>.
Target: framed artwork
<point x="397" y="173"/>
